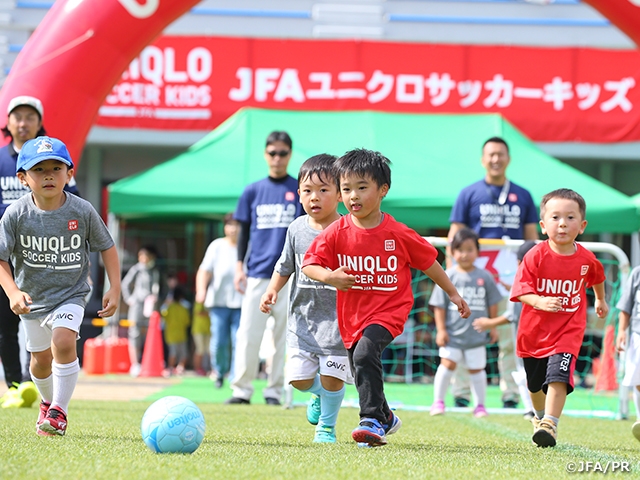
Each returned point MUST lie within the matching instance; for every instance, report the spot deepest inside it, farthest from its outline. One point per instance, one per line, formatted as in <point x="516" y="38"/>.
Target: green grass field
<point x="262" y="442"/>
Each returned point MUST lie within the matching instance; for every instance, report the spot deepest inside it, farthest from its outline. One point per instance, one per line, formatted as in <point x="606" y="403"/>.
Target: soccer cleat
<point x="237" y="401"/>
<point x="480" y="412"/>
<point x="369" y="431"/>
<point x="635" y="429"/>
<point x="29" y="393"/>
<point x="437" y="408"/>
<point x="325" y="434"/>
<point x="313" y="410"/>
<point x="393" y="426"/>
<point x="546" y="434"/>
<point x="44" y="408"/>
<point x="55" y="422"/>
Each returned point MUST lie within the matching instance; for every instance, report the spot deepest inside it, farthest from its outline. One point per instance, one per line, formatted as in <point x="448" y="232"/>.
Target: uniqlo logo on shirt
<point x="584" y="269"/>
<point x="73" y="224"/>
<point x="389" y="245"/>
<point x="289" y="196"/>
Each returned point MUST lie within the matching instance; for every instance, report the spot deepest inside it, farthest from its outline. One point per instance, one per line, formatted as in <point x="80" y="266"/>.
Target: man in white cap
<point x="24" y="122"/>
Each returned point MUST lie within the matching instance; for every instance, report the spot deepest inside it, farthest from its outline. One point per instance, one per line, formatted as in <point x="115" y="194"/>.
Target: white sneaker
<point x="134" y="371"/>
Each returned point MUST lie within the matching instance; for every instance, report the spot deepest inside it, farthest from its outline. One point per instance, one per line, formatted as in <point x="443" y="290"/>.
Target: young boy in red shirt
<point x="367" y="256"/>
<point x="551" y="283"/>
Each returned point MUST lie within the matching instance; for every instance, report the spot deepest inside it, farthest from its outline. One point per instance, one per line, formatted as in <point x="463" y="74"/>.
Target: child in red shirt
<point x="551" y="283"/>
<point x="368" y="257"/>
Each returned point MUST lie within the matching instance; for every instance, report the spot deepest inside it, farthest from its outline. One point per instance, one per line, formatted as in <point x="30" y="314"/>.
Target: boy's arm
<point x="112" y="296"/>
<point x="548" y="304"/>
<point x="203" y="279"/>
<point x="440" y="318"/>
<point x="482" y="324"/>
<point x="623" y="325"/>
<point x="338" y="278"/>
<point x="438" y="275"/>
<point x="18" y="301"/>
<point x="270" y="296"/>
<point x="600" y="305"/>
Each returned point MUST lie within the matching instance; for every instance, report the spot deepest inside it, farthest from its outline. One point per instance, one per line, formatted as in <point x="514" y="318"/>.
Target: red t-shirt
<point x="546" y="273"/>
<point x="381" y="258"/>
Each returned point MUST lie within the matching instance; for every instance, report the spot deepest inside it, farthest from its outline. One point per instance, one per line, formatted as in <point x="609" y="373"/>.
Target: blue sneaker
<point x="369" y="431"/>
<point x="325" y="434"/>
<point x="393" y="426"/>
<point x="313" y="410"/>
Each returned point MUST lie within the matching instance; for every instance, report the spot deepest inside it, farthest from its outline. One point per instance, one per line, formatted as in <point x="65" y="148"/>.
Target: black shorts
<point x="543" y="371"/>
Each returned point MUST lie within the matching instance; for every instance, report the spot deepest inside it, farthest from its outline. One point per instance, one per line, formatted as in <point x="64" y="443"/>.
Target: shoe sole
<point x="543" y="439"/>
<point x="636" y="430"/>
<point x="50" y="429"/>
<point x="371" y="439"/>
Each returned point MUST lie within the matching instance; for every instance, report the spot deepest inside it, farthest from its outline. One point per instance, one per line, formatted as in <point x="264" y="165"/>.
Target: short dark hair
<point x="495" y="140"/>
<point x="228" y="217"/>
<point x="365" y="163"/>
<point x="279" y="136"/>
<point x="150" y="249"/>
<point x="567" y="194"/>
<point x="7" y="134"/>
<point x="463" y="235"/>
<point x="322" y="166"/>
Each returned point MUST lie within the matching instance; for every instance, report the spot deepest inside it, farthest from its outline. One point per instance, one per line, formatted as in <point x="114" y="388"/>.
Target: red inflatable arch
<point x="81" y="48"/>
<point x="78" y="53"/>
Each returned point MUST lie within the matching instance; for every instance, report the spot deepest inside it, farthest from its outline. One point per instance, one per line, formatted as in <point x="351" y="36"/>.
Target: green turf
<point x="415" y="396"/>
<point x="261" y="442"/>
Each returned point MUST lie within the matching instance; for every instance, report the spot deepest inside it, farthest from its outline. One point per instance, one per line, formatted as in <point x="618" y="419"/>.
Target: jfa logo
<point x="73" y="224"/>
<point x="289" y="196"/>
<point x="584" y="269"/>
<point x="389" y="245"/>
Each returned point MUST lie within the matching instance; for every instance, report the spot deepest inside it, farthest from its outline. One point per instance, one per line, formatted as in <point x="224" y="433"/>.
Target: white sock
<point x="636" y="401"/>
<point x="441" y="382"/>
<point x="479" y="386"/>
<point x="44" y="386"/>
<point x="65" y="377"/>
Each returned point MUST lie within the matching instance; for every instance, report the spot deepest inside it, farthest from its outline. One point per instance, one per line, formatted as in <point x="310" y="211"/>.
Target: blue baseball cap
<point x="40" y="149"/>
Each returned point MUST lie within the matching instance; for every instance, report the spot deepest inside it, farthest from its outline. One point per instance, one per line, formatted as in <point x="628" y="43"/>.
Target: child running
<point x="316" y="358"/>
<point x="628" y="339"/>
<point x="456" y="338"/>
<point x="47" y="236"/>
<point x="551" y="282"/>
<point x="367" y="255"/>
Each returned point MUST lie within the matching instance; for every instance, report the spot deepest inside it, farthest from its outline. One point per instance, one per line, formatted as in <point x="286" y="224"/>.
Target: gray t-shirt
<point x="313" y="319"/>
<point x="479" y="291"/>
<point x="50" y="250"/>
<point x="630" y="300"/>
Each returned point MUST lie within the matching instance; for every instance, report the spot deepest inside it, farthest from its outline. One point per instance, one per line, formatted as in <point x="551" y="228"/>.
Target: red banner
<point x="551" y="94"/>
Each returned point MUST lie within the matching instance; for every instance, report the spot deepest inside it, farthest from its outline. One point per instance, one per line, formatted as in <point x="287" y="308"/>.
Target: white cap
<point x="32" y="102"/>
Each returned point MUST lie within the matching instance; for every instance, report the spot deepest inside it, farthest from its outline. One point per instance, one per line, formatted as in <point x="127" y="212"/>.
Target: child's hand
<point x="481" y="324"/>
<point x="621" y="341"/>
<point x="463" y="308"/>
<point x="342" y="280"/>
<point x="442" y="338"/>
<point x="270" y="297"/>
<point x="549" y="304"/>
<point x="20" y="302"/>
<point x="493" y="335"/>
<point x="240" y="281"/>
<point x="601" y="307"/>
<point x="109" y="303"/>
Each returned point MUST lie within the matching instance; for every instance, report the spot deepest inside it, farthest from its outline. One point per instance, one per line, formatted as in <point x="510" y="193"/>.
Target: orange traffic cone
<point x="153" y="355"/>
<point x="606" y="379"/>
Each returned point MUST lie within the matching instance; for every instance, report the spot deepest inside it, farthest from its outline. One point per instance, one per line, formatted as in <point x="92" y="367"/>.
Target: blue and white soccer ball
<point x="173" y="425"/>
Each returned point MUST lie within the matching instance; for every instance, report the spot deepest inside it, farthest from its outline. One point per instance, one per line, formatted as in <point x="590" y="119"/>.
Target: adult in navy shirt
<point x="265" y="210"/>
<point x="495" y="207"/>
<point x="24" y="122"/>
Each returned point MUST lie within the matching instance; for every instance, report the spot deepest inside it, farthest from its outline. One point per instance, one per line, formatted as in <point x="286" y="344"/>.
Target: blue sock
<point x="316" y="388"/>
<point x="330" y="403"/>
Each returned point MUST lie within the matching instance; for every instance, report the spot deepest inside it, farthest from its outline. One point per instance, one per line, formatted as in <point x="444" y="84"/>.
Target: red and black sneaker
<point x="44" y="408"/>
<point x="55" y="423"/>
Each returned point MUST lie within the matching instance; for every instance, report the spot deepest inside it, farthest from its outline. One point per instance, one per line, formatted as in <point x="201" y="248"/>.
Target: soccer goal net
<point x="413" y="356"/>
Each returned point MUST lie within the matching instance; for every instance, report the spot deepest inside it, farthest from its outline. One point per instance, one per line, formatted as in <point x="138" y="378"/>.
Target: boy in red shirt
<point x="367" y="256"/>
<point x="551" y="283"/>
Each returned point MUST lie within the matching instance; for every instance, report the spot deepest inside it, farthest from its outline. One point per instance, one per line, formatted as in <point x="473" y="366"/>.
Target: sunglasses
<point x="281" y="153"/>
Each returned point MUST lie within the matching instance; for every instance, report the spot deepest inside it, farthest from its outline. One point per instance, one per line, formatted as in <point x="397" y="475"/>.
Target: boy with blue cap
<point x="47" y="236"/>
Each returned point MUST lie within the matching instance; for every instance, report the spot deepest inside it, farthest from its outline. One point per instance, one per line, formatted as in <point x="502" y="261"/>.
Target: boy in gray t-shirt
<point x="47" y="236"/>
<point x="317" y="361"/>
<point x="456" y="336"/>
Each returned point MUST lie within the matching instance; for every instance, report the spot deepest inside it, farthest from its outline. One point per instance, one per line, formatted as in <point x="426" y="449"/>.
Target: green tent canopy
<point x="433" y="157"/>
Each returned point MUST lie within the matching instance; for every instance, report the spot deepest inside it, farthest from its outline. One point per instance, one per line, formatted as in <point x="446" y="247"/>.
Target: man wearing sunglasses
<point x="265" y="210"/>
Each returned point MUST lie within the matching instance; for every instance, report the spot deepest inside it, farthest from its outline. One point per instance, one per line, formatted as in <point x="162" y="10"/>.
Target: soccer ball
<point x="173" y="425"/>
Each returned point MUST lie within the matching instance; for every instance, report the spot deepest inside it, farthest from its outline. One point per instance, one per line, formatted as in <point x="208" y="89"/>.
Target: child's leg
<point x="556" y="398"/>
<point x="442" y="379"/>
<point x="40" y="369"/>
<point x="330" y="400"/>
<point x="65" y="366"/>
<point x="478" y="386"/>
<point x="476" y="360"/>
<point x="538" y="400"/>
